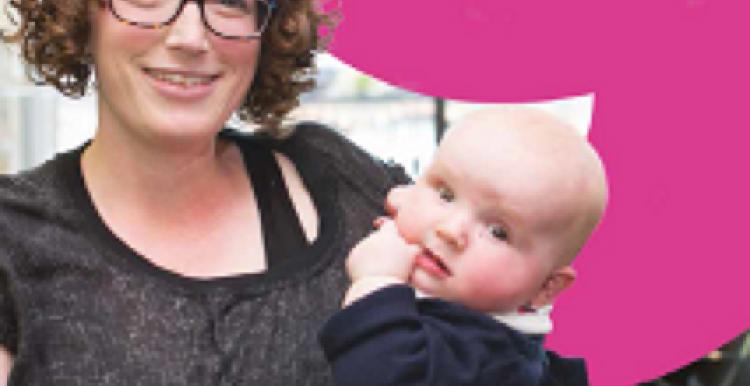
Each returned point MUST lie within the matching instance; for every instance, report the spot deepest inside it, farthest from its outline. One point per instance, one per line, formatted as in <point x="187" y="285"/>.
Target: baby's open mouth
<point x="433" y="263"/>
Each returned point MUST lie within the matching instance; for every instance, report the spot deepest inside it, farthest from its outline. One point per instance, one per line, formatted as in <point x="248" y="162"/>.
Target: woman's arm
<point x="6" y="362"/>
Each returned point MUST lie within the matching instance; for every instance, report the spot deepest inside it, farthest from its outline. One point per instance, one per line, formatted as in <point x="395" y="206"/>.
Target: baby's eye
<point x="498" y="232"/>
<point x="445" y="194"/>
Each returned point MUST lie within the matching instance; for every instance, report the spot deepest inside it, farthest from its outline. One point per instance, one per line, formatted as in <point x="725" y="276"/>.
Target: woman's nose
<point x="453" y="229"/>
<point x="187" y="32"/>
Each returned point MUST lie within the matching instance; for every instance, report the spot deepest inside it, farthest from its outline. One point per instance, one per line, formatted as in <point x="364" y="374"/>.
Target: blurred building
<point x="27" y="115"/>
<point x="394" y="124"/>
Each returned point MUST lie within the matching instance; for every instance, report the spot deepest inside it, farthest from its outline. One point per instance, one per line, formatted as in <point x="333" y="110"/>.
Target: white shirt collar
<point x="537" y="322"/>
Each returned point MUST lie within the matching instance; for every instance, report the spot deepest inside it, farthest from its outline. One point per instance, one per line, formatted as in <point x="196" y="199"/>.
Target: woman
<point x="167" y="250"/>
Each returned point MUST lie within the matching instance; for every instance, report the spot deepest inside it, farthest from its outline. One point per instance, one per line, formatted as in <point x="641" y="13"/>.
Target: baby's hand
<point x="395" y="199"/>
<point x="381" y="259"/>
<point x="382" y="253"/>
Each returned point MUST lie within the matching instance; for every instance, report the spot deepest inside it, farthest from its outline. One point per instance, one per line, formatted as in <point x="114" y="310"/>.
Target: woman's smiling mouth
<point x="181" y="84"/>
<point x="182" y="78"/>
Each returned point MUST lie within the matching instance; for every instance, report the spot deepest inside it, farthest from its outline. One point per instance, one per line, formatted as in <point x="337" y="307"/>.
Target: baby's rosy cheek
<point x="409" y="226"/>
<point x="490" y="282"/>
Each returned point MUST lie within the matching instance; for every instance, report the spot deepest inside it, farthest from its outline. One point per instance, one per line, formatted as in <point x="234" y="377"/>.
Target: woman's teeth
<point x="180" y="79"/>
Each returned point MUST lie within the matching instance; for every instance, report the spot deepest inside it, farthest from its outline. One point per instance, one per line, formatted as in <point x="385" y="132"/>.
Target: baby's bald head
<point x="552" y="169"/>
<point x="509" y="199"/>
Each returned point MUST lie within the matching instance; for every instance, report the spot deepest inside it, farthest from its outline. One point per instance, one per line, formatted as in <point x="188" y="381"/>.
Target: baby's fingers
<point x="379" y="221"/>
<point x="394" y="200"/>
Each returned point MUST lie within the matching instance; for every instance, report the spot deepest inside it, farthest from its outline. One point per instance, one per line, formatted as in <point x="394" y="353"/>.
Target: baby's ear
<point x="555" y="283"/>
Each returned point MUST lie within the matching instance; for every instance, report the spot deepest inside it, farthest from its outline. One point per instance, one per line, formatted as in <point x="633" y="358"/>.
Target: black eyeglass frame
<point x="271" y="4"/>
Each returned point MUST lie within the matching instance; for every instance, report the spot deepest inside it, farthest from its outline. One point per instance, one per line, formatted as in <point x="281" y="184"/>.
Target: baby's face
<point x="489" y="217"/>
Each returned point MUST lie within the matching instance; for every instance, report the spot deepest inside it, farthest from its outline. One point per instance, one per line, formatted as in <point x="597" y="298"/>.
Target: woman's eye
<point x="237" y="4"/>
<point x="498" y="232"/>
<point x="445" y="194"/>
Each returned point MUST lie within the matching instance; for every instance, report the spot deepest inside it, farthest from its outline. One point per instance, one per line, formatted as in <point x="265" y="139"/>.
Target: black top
<point x="283" y="236"/>
<point x="389" y="338"/>
<point x="80" y="307"/>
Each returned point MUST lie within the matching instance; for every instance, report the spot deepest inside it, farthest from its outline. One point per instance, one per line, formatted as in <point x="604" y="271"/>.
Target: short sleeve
<point x="345" y="160"/>
<point x="8" y="324"/>
<point x="11" y="192"/>
<point x="397" y="174"/>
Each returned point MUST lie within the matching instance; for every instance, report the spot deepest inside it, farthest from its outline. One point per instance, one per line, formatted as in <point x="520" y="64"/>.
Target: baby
<point x="486" y="237"/>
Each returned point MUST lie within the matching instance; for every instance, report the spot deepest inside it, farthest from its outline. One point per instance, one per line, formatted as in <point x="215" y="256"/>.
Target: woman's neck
<point x="159" y="176"/>
<point x="176" y="206"/>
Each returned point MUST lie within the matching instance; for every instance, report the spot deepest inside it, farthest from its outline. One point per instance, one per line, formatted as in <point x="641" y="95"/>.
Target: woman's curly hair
<point x="54" y="35"/>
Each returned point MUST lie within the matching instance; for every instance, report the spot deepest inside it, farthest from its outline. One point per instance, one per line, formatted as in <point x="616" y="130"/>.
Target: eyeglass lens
<point x="233" y="18"/>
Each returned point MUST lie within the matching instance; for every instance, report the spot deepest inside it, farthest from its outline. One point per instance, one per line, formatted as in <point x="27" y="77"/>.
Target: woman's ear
<point x="555" y="283"/>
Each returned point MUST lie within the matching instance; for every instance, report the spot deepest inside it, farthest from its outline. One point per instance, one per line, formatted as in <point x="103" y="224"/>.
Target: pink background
<point x="663" y="280"/>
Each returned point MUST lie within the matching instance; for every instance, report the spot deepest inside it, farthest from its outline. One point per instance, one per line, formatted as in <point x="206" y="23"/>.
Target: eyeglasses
<point x="229" y="19"/>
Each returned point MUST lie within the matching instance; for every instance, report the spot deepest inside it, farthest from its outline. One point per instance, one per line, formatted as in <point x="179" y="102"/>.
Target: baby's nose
<point x="453" y="229"/>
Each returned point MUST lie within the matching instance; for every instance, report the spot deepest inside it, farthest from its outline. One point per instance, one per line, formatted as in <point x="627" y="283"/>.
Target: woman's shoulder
<point x="36" y="193"/>
<point x="20" y="203"/>
<point x="324" y="145"/>
<point x="21" y="188"/>
<point x="320" y="152"/>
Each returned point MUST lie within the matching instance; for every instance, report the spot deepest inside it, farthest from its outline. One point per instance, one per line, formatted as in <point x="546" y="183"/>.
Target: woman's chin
<point x="185" y="128"/>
